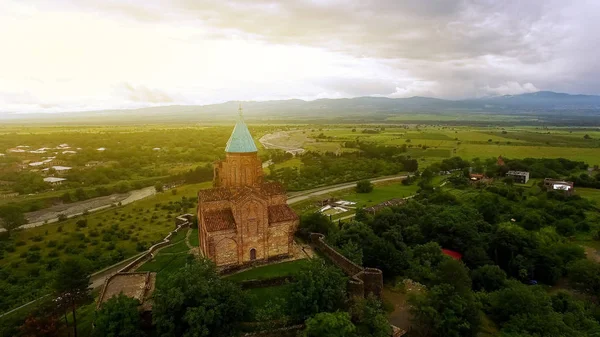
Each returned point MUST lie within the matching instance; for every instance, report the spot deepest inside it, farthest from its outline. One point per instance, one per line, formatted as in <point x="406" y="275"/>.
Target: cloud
<point x="356" y="86"/>
<point x="512" y="88"/>
<point x="141" y="94"/>
<point x="340" y="48"/>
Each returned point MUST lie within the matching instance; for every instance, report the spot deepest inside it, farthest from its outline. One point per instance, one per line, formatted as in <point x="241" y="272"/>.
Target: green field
<point x="260" y="297"/>
<point x="109" y="236"/>
<point x="194" y="239"/>
<point x="433" y="143"/>
<point x="589" y="193"/>
<point x="269" y="271"/>
<point x="380" y="194"/>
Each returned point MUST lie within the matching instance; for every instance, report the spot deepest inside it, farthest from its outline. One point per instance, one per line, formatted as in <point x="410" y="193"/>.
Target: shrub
<point x="33" y="257"/>
<point x="364" y="186"/>
<point x="82" y="223"/>
<point x="53" y="253"/>
<point x="51" y="244"/>
<point x="62" y="217"/>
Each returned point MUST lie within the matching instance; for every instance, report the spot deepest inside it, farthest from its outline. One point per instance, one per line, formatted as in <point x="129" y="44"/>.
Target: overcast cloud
<point x="90" y="54"/>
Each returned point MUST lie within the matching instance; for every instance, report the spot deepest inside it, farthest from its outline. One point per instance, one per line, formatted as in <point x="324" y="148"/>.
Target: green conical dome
<point x="241" y="140"/>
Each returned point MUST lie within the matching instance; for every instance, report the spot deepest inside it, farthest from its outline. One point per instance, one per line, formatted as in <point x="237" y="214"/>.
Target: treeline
<point x="508" y="239"/>
<point x="329" y="168"/>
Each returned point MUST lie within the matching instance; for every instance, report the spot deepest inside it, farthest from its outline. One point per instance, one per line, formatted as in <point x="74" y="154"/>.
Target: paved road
<point x="133" y="196"/>
<point x="301" y="196"/>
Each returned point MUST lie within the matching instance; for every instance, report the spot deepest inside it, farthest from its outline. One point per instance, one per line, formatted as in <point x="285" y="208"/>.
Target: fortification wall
<point x="363" y="281"/>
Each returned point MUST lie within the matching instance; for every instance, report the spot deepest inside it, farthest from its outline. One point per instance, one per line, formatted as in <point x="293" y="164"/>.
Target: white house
<point x="54" y="180"/>
<point x="58" y="169"/>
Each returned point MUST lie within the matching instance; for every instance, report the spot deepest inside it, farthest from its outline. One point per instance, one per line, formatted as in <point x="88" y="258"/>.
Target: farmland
<point x="101" y="238"/>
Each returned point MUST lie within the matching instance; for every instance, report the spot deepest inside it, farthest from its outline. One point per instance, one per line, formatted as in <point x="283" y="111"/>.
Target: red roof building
<point x="452" y="254"/>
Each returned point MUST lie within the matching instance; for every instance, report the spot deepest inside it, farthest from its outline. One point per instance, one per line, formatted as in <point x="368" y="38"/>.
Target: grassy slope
<point x="268" y="271"/>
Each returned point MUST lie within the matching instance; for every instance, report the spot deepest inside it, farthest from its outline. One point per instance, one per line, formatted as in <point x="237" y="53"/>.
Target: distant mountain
<point x="543" y="103"/>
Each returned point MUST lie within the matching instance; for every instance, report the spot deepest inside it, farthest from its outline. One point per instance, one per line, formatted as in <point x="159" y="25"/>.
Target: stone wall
<point x="290" y="331"/>
<point x="270" y="282"/>
<point x="363" y="281"/>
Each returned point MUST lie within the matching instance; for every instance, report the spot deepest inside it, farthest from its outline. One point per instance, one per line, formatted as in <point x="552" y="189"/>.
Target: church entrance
<point x="252" y="254"/>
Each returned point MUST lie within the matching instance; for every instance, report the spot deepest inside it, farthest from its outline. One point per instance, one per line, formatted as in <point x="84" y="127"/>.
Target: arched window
<point x="252" y="254"/>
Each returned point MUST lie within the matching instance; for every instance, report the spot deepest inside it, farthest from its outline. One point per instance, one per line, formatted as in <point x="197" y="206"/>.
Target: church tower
<point x="241" y="166"/>
<point x="244" y="219"/>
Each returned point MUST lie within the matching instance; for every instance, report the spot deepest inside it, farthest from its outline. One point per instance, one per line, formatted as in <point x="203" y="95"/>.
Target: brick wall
<point x="363" y="281"/>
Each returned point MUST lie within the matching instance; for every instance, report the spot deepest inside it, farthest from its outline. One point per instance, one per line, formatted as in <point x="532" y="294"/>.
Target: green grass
<point x="294" y="162"/>
<point x="268" y="271"/>
<point x="472" y="142"/>
<point x="469" y="151"/>
<point x="589" y="193"/>
<point x="194" y="240"/>
<point x="179" y="247"/>
<point x="259" y="297"/>
<point x="380" y="194"/>
<point x="165" y="265"/>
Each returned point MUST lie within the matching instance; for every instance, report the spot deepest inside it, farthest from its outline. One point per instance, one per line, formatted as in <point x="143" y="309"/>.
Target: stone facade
<point x="243" y="218"/>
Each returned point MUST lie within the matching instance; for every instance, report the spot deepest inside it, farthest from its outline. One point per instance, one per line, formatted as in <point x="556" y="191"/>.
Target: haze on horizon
<point x="60" y="55"/>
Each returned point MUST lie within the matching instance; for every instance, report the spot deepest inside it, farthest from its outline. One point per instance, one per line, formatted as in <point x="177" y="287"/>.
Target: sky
<point x="62" y="55"/>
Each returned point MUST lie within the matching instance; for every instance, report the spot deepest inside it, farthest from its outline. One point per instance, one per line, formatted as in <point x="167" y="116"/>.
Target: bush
<point x="488" y="278"/>
<point x="82" y="223"/>
<point x="364" y="186"/>
<point x="62" y="217"/>
<point x="33" y="257"/>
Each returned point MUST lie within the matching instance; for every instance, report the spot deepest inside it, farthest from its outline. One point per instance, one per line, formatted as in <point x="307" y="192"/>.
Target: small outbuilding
<point x="520" y="177"/>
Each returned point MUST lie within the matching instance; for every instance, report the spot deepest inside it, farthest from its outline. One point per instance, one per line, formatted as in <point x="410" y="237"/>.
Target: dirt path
<point x="283" y="140"/>
<point x="592" y="253"/>
<point x="400" y="317"/>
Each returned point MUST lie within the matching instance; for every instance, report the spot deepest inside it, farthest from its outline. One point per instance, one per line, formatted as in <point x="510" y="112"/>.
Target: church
<point x="244" y="218"/>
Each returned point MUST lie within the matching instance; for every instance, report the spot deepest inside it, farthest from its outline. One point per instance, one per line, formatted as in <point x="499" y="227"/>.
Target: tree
<point x="449" y="307"/>
<point x="352" y="251"/>
<point x="43" y="322"/>
<point x="194" y="301"/>
<point x="119" y="317"/>
<point x="318" y="287"/>
<point x="370" y="318"/>
<point x="364" y="186"/>
<point x="565" y="227"/>
<point x="518" y="299"/>
<point x="159" y="187"/>
<point x="329" y="324"/>
<point x="488" y="278"/>
<point x="584" y="275"/>
<point x="317" y="223"/>
<point x="509" y="180"/>
<point x="12" y="217"/>
<point x="71" y="285"/>
<point x="442" y="311"/>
